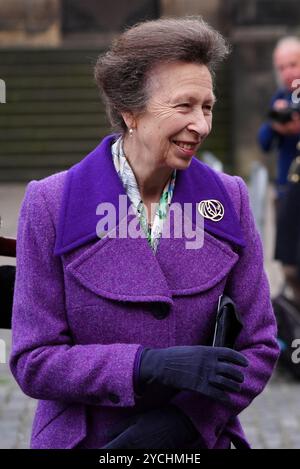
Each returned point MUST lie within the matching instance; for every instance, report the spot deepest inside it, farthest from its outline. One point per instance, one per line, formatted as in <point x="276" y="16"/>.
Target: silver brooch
<point x="211" y="209"/>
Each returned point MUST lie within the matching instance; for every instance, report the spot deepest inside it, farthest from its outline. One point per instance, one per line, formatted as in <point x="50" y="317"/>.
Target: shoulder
<point x="237" y="190"/>
<point x="52" y="184"/>
<point x="44" y="195"/>
<point x="231" y="189"/>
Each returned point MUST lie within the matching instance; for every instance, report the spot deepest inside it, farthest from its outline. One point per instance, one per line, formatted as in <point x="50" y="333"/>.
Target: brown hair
<point x="121" y="73"/>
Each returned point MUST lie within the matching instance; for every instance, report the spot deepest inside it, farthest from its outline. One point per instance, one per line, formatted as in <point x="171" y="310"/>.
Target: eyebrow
<point x="185" y="97"/>
<point x="213" y="99"/>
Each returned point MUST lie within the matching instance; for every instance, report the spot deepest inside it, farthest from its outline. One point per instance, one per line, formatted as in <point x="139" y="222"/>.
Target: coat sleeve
<point x="266" y="137"/>
<point x="44" y="359"/>
<point x="248" y="286"/>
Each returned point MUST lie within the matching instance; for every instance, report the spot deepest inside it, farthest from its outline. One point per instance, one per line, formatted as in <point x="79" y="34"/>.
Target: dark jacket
<point x="7" y="281"/>
<point x="285" y="145"/>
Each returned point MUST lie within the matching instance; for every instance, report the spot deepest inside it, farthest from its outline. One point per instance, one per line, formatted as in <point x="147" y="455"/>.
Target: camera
<point x="282" y="116"/>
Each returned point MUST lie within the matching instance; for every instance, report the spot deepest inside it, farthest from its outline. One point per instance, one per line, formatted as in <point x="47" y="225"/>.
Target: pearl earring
<point x="130" y="132"/>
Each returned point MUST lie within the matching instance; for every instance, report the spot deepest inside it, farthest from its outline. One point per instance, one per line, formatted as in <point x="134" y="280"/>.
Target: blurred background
<point x="52" y="117"/>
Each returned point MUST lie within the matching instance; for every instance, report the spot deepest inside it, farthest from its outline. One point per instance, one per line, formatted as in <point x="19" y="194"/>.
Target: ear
<point x="129" y="120"/>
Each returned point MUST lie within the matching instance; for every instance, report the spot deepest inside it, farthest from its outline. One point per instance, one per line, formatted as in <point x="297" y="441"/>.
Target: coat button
<point x="160" y="310"/>
<point x="113" y="398"/>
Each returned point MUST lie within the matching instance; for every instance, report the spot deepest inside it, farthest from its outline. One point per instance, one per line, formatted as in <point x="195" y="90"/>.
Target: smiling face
<point x="178" y="114"/>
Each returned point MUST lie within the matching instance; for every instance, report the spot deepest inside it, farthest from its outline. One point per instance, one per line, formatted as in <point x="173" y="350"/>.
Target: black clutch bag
<point x="228" y="323"/>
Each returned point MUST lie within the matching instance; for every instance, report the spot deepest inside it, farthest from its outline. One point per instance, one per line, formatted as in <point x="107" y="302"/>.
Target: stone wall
<point x="252" y="27"/>
<point x="30" y="23"/>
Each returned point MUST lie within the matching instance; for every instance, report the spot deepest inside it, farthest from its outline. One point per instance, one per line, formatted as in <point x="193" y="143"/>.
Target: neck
<point x="151" y="178"/>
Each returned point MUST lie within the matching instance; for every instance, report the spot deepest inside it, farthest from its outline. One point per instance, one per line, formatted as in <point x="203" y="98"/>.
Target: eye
<point x="186" y="105"/>
<point x="208" y="107"/>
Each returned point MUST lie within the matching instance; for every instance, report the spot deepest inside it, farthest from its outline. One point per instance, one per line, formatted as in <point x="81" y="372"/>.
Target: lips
<point x="185" y="145"/>
<point x="185" y="148"/>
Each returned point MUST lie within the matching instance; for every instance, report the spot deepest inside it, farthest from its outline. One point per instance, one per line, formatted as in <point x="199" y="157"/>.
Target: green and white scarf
<point x="128" y="179"/>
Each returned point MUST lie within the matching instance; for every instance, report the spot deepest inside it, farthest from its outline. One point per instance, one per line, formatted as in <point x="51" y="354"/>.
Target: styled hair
<point x="121" y="73"/>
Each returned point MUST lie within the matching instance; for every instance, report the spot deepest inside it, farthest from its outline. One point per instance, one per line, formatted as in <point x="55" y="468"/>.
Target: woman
<point x="113" y="335"/>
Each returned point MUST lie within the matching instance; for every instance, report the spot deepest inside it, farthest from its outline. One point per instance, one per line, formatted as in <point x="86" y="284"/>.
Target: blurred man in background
<point x="282" y="133"/>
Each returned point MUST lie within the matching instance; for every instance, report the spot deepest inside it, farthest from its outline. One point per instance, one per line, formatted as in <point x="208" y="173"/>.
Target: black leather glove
<point x="162" y="428"/>
<point x="208" y="370"/>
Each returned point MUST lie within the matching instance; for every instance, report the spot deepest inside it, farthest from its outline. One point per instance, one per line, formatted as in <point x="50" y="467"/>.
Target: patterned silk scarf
<point x="128" y="179"/>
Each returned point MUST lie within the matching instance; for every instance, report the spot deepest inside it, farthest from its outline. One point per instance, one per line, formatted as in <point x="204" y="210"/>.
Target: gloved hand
<point x="208" y="370"/>
<point x="162" y="428"/>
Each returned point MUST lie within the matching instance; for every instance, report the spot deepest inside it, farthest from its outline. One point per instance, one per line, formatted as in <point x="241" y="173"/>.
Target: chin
<point x="185" y="162"/>
<point x="182" y="163"/>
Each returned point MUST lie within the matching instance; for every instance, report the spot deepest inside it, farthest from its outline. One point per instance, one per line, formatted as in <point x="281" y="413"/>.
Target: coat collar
<point x="94" y="180"/>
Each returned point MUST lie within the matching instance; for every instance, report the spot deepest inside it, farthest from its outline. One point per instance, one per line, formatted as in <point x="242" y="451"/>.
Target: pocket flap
<point x="58" y="426"/>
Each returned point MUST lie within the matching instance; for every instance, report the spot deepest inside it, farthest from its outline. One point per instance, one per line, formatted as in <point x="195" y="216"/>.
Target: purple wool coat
<point x="85" y="306"/>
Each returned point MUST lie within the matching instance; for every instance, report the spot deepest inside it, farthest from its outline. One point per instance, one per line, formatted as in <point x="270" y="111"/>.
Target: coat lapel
<point x="90" y="182"/>
<point x="126" y="269"/>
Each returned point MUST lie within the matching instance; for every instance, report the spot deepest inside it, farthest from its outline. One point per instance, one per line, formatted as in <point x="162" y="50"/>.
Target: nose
<point x="199" y="124"/>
